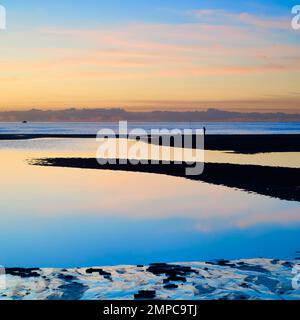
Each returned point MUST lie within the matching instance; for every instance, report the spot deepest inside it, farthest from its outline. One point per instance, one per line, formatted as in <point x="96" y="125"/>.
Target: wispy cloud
<point x="193" y="49"/>
<point x="217" y="55"/>
<point x="243" y="18"/>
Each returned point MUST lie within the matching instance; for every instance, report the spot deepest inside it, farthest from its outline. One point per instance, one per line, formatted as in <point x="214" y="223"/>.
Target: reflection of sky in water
<point x="73" y="217"/>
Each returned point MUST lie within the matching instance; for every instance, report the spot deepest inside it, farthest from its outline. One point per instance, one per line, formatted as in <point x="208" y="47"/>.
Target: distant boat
<point x="24" y="121"/>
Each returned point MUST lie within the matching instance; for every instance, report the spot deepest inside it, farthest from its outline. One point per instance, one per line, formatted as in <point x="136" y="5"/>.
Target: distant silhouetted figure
<point x="204" y="130"/>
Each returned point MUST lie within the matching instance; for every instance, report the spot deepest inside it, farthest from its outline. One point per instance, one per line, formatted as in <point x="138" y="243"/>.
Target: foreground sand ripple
<point x="220" y="279"/>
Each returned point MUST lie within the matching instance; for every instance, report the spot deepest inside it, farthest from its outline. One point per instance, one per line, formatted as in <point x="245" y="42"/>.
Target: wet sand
<point x="245" y="279"/>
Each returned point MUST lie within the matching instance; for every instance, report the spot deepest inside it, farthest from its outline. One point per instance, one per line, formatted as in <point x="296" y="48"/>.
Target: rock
<point x="145" y="294"/>
<point x="175" y="279"/>
<point x="170" y="270"/>
<point x="66" y="277"/>
<point x="171" y="286"/>
<point x="23" y="272"/>
<point x="106" y="275"/>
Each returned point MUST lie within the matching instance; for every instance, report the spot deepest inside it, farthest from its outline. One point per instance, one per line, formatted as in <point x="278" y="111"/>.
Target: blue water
<point x="212" y="127"/>
<point x="58" y="217"/>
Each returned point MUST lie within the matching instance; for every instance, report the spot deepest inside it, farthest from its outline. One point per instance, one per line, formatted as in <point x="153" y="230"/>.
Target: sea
<point x="93" y="127"/>
<point x="69" y="217"/>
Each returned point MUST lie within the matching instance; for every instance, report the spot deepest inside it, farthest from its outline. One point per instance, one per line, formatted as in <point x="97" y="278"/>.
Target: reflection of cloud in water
<point x="273" y="159"/>
<point x="271" y="217"/>
<point x="61" y="191"/>
<point x="88" y="148"/>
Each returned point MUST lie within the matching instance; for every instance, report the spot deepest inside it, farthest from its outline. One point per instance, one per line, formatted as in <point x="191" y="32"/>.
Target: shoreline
<point x="239" y="143"/>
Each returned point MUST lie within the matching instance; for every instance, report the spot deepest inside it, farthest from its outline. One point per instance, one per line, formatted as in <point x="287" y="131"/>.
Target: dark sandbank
<point x="276" y="182"/>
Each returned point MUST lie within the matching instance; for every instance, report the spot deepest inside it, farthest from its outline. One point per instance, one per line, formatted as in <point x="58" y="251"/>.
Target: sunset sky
<point x="159" y="54"/>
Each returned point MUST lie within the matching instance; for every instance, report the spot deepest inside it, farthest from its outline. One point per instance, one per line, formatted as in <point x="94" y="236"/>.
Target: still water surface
<point x="58" y="217"/>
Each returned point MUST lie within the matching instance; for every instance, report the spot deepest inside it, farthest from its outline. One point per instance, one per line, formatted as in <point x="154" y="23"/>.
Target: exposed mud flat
<point x="253" y="279"/>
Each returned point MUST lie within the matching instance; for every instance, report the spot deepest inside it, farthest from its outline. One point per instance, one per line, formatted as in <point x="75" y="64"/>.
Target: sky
<point x="141" y="55"/>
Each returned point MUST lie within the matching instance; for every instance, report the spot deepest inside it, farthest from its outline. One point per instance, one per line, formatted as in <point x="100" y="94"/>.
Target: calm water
<point x="57" y="217"/>
<point x="93" y="128"/>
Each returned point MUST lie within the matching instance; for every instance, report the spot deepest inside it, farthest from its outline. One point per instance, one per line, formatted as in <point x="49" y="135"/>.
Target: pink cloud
<point x="215" y="16"/>
<point x="285" y="217"/>
<point x="275" y="23"/>
<point x="169" y="50"/>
